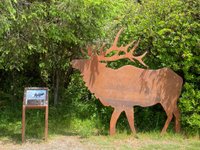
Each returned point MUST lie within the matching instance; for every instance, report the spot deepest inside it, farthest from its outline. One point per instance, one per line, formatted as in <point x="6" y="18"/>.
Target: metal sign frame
<point x="35" y="98"/>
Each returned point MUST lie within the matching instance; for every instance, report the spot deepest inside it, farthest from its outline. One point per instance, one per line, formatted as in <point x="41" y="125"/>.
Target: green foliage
<point x="54" y="29"/>
<point x="190" y="106"/>
<point x="85" y="127"/>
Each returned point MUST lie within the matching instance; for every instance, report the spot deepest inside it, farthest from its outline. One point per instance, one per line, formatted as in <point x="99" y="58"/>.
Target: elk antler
<point x="128" y="54"/>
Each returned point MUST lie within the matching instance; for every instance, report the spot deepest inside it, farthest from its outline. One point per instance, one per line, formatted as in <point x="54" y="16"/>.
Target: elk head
<point x="85" y="64"/>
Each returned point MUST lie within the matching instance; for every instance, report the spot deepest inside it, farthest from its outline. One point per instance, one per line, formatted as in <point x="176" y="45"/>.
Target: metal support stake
<point x="23" y="122"/>
<point x="46" y="123"/>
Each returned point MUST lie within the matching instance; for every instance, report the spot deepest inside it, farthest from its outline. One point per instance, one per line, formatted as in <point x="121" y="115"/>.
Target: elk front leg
<point x="115" y="115"/>
<point x="130" y="116"/>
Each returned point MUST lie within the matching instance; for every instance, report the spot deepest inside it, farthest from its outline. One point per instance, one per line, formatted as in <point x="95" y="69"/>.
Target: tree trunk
<point x="68" y="76"/>
<point x="61" y="81"/>
<point x="56" y="87"/>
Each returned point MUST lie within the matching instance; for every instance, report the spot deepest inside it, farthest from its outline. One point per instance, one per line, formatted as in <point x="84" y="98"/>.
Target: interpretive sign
<point x="35" y="98"/>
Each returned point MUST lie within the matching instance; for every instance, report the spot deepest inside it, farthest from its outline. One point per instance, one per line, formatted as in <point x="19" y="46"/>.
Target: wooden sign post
<point x="35" y="98"/>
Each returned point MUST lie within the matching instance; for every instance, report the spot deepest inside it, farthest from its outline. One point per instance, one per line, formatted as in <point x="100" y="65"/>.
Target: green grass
<point x="90" y="131"/>
<point x="89" y="136"/>
<point x="146" y="141"/>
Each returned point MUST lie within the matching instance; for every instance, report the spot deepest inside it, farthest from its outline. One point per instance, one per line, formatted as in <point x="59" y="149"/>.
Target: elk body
<point x="130" y="86"/>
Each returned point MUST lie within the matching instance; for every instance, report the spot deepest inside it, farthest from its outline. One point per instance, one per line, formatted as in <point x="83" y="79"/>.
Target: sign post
<point x="35" y="98"/>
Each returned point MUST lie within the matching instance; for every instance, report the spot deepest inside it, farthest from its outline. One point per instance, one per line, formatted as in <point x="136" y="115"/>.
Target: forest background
<point x="39" y="38"/>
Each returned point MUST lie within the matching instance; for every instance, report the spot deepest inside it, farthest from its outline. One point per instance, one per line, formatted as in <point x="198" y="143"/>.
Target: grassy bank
<point x="121" y="141"/>
<point x="146" y="141"/>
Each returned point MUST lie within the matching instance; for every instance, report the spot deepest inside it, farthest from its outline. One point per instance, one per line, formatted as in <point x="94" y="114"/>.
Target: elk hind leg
<point x="176" y="113"/>
<point x="169" y="118"/>
<point x="130" y="116"/>
<point x="115" y="115"/>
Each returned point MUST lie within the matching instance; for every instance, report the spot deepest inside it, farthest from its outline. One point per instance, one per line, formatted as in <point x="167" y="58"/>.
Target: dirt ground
<point x="57" y="143"/>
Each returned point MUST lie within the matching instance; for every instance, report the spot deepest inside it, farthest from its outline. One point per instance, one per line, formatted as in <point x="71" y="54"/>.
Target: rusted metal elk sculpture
<point x="129" y="86"/>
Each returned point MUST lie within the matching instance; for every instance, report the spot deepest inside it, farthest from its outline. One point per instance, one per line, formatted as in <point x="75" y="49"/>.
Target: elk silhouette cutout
<point x="129" y="86"/>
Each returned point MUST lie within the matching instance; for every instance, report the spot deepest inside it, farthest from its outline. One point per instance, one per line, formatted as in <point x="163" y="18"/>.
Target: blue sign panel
<point x="36" y="96"/>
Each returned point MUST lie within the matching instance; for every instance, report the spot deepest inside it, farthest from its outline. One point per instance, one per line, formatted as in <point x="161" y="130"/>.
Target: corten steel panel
<point x="129" y="86"/>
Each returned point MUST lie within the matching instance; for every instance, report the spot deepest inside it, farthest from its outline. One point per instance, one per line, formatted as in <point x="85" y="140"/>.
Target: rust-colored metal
<point x="23" y="122"/>
<point x="34" y="106"/>
<point x="46" y="123"/>
<point x="129" y="86"/>
<point x="24" y="108"/>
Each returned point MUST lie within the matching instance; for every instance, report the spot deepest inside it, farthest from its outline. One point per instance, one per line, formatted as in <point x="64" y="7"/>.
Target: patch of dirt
<point x="57" y="143"/>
